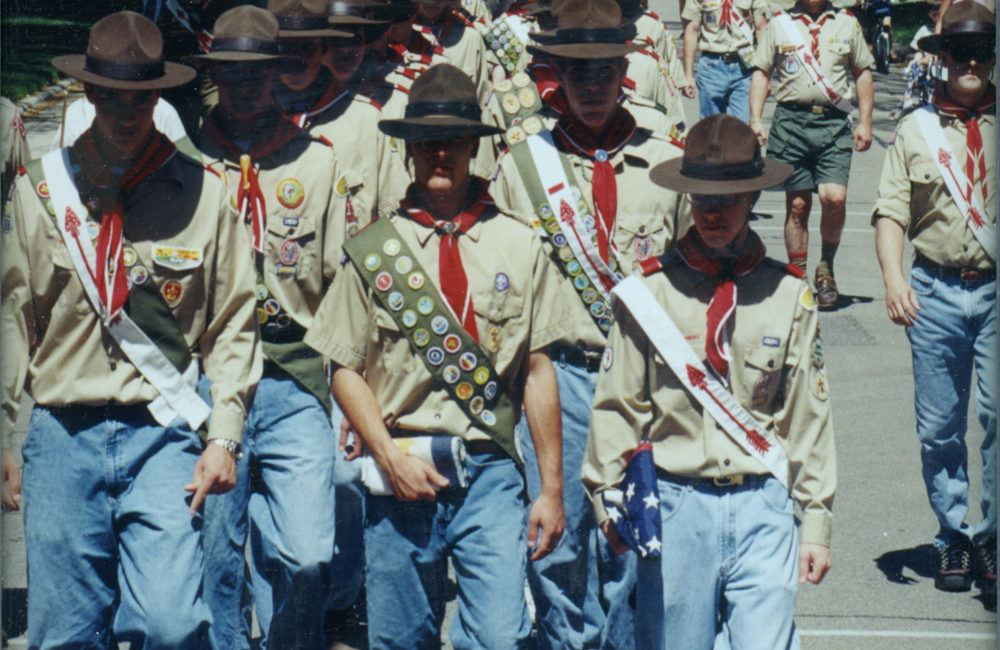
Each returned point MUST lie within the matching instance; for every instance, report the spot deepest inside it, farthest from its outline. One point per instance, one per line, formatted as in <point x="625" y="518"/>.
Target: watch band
<point x="231" y="446"/>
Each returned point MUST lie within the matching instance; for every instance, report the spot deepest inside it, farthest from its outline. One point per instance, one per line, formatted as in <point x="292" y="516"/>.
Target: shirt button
<point x="113" y="366"/>
<point x="437" y="416"/>
<point x="726" y="462"/>
<point x="291" y="231"/>
<point x="642" y="230"/>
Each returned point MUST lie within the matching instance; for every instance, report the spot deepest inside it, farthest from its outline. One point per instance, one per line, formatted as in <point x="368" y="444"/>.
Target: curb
<point x="45" y="94"/>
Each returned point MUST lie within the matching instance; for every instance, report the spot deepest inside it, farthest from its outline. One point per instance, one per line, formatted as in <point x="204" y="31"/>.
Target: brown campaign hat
<point x="125" y="50"/>
<point x="303" y="19"/>
<point x="721" y="156"/>
<point x="586" y="29"/>
<point x="966" y="21"/>
<point x="352" y="12"/>
<point x="243" y="34"/>
<point x="442" y="105"/>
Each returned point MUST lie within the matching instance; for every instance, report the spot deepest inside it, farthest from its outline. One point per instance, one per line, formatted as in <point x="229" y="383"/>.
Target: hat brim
<point x="237" y="57"/>
<point x="586" y="50"/>
<point x="312" y="33"/>
<point x="356" y="20"/>
<point x="668" y="174"/>
<point x="436" y="127"/>
<point x="174" y="74"/>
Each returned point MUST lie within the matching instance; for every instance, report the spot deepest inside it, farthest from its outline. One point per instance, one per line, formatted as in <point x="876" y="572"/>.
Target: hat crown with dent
<point x="246" y="21"/>
<point x="125" y="37"/>
<point x="443" y="83"/>
<point x="587" y="14"/>
<point x="721" y="146"/>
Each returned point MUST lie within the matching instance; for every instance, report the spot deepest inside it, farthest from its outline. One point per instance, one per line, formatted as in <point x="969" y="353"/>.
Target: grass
<point x="27" y="45"/>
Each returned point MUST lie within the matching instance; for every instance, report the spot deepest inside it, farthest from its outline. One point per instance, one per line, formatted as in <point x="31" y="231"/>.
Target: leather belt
<point x="815" y="109"/>
<point x="731" y="481"/>
<point x="575" y="356"/>
<point x="964" y="273"/>
<point x="483" y="447"/>
<point x="727" y="57"/>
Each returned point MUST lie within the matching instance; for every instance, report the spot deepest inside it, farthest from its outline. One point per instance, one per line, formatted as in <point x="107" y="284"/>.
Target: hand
<point x="758" y="129"/>
<point x="901" y="302"/>
<point x="357" y="445"/>
<point x="547" y="514"/>
<point x="862" y="136"/>
<point x="215" y="473"/>
<point x="615" y="540"/>
<point x="690" y="89"/>
<point x="11" y="476"/>
<point x="413" y="479"/>
<point x="814" y="562"/>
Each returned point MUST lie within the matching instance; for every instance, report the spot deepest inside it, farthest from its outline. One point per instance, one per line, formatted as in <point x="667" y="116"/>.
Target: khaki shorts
<point x="818" y="146"/>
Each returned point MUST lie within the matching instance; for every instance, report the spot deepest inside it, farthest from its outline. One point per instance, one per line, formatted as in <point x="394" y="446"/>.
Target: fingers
<point x="198" y="498"/>
<point x="11" y="493"/>
<point x="546" y="545"/>
<point x="345" y="430"/>
<point x="533" y="538"/>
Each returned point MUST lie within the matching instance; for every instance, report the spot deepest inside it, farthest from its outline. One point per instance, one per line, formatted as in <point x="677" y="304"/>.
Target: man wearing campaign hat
<point x="123" y="269"/>
<point x="937" y="190"/>
<point x="714" y="365"/>
<point x="579" y="174"/>
<point x="817" y="48"/>
<point x="295" y="224"/>
<point x="437" y="330"/>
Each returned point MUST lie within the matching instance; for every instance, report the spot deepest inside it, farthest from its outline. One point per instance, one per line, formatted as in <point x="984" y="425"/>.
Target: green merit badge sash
<point x="518" y="98"/>
<point x="564" y="216"/>
<point x="500" y="38"/>
<point x="148" y="333"/>
<point x="401" y="286"/>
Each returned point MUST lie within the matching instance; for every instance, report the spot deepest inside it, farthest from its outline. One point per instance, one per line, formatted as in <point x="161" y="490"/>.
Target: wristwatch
<point x="231" y="446"/>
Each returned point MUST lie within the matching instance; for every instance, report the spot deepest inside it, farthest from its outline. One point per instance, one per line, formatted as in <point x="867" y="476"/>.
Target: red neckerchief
<point x="726" y="15"/>
<point x="548" y="86"/>
<point x="109" y="273"/>
<point x="516" y="8"/>
<point x="453" y="280"/>
<point x="249" y="197"/>
<point x="576" y="138"/>
<point x="814" y="27"/>
<point x="701" y="258"/>
<point x="975" y="160"/>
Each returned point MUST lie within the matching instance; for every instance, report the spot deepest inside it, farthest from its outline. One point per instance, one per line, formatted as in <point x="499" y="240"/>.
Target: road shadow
<point x="844" y="301"/>
<point x="921" y="560"/>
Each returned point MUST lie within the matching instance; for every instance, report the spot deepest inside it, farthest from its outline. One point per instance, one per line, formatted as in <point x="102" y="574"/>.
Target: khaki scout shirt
<point x="519" y="309"/>
<point x="648" y="219"/>
<point x="655" y="70"/>
<point x="842" y="54"/>
<point x="464" y="48"/>
<point x="13" y="143"/>
<point x="53" y="337"/>
<point x="777" y="373"/>
<point x="723" y="40"/>
<point x="913" y="193"/>
<point x="306" y="223"/>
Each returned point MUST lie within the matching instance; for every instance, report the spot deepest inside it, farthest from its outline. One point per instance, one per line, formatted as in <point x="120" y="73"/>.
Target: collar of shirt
<point x="798" y="10"/>
<point x="423" y="233"/>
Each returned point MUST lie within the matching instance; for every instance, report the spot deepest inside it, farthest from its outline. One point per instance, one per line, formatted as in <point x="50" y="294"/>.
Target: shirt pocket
<point x="66" y="285"/>
<point x="291" y="248"/>
<point x="179" y="274"/>
<point x="637" y="242"/>
<point x="762" y="376"/>
<point x="506" y="324"/>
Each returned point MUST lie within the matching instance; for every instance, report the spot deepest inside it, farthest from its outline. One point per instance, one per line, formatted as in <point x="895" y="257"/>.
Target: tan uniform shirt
<point x="777" y="373"/>
<point x="464" y="48"/>
<point x="53" y="339"/>
<point x="656" y="71"/>
<point x="843" y="54"/>
<point x="306" y="221"/>
<point x="648" y="219"/>
<point x="13" y="143"/>
<point x="519" y="309"/>
<point x="912" y="192"/>
<point x="722" y="40"/>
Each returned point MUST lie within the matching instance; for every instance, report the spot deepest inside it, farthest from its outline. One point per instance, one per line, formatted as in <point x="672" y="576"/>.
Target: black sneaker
<point x="954" y="572"/>
<point x="986" y="553"/>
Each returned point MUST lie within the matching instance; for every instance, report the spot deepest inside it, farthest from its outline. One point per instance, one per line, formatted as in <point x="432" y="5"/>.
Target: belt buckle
<point x="817" y="109"/>
<point x="728" y="481"/>
<point x="968" y="275"/>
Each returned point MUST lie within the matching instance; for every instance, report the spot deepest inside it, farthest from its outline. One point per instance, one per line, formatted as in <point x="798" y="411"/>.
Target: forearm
<point x="357" y="401"/>
<point x="889" y="248"/>
<point x="758" y="94"/>
<point x="544" y="414"/>
<point x="690" y="46"/>
<point x="866" y="96"/>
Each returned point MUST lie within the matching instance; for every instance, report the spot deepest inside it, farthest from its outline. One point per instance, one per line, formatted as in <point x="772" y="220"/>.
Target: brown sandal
<point x="826" y="292"/>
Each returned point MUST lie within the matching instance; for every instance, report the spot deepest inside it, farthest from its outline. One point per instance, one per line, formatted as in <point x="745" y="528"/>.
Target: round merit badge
<point x="521" y="79"/>
<point x="383" y="281"/>
<point x="545" y="211"/>
<point x="290" y="193"/>
<point x="288" y="253"/>
<point x="452" y="343"/>
<point x="490" y="390"/>
<point x="501" y="282"/>
<point x="510" y="104"/>
<point x="372" y="262"/>
<point x="138" y="274"/>
<point x="404" y="265"/>
<point x="439" y="325"/>
<point x="261" y="292"/>
<point x="284" y="320"/>
<point x="435" y="356"/>
<point x="504" y="86"/>
<point x="467" y="361"/>
<point x="43" y="190"/>
<point x="421" y="337"/>
<point x="597" y="309"/>
<point x="573" y="268"/>
<point x="488" y="418"/>
<point x="261" y="316"/>
<point x="409" y="318"/>
<point x="580" y="282"/>
<point x="532" y="125"/>
<point x="451" y="374"/>
<point x="128" y="256"/>
<point x="271" y="306"/>
<point x="391" y="247"/>
<point x="589" y="295"/>
<point x="416" y="280"/>
<point x="464" y="390"/>
<point x="526" y="96"/>
<point x="481" y="375"/>
<point x="425" y="305"/>
<point x="558" y="240"/>
<point x="516" y="134"/>
<point x="565" y="253"/>
<point x="552" y="226"/>
<point x="476" y="405"/>
<point x="609" y="357"/>
<point x="395" y="301"/>
<point x="172" y="292"/>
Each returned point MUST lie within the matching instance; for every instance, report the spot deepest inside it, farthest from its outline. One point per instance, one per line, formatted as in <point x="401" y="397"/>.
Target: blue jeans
<point x="284" y="494"/>
<point x="582" y="588"/>
<point x="954" y="334"/>
<point x="737" y="546"/>
<point x="349" y="552"/>
<point x="407" y="546"/>
<point x="723" y="88"/>
<point x="113" y="551"/>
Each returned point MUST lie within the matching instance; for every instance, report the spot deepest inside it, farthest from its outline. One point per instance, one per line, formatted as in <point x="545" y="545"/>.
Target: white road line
<point x="902" y="634"/>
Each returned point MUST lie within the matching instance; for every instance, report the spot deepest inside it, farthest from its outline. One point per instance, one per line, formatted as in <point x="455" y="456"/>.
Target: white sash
<point x="701" y="384"/>
<point x="802" y="51"/>
<point x="177" y="392"/>
<point x="580" y="238"/>
<point x="741" y="25"/>
<point x="956" y="180"/>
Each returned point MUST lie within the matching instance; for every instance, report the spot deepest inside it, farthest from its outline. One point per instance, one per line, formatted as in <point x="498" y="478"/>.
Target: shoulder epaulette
<point x="402" y="89"/>
<point x="465" y="21"/>
<point x="651" y="265"/>
<point x="629" y="83"/>
<point x="424" y="29"/>
<point x="437" y="50"/>
<point x="653" y="14"/>
<point x="21" y="171"/>
<point x="848" y="12"/>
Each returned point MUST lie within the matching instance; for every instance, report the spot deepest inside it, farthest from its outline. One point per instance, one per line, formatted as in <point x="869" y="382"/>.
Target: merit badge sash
<point x="956" y="180"/>
<point x="812" y="66"/>
<point x="518" y="98"/>
<point x="669" y="342"/>
<point x="505" y="43"/>
<point x="169" y="369"/>
<point x="566" y="218"/>
<point x="403" y="288"/>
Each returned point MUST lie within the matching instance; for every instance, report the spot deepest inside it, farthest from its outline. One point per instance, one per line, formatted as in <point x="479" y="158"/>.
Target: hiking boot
<point x="986" y="553"/>
<point x="826" y="291"/>
<point x="954" y="573"/>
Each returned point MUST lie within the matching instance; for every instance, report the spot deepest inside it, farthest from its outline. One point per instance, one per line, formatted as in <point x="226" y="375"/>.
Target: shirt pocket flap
<point x="642" y="230"/>
<point x="383" y="320"/>
<point x="497" y="306"/>
<point x="764" y="358"/>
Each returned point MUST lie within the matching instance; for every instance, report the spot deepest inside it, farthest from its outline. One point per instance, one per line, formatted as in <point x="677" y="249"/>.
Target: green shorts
<point x="818" y="146"/>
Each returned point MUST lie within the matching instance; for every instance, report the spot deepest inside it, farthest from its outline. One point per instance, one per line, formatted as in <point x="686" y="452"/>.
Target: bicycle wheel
<point x="882" y="53"/>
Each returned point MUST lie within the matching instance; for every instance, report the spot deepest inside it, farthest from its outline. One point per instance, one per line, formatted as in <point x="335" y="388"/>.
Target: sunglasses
<point x="714" y="201"/>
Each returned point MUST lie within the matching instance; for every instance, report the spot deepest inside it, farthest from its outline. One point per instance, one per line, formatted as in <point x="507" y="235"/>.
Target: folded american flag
<point x="635" y="512"/>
